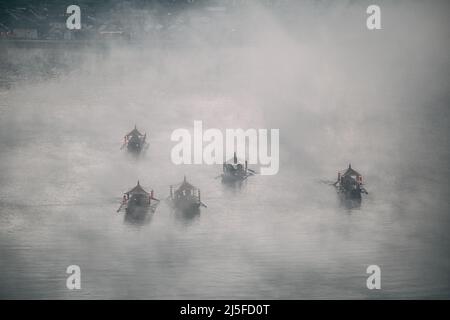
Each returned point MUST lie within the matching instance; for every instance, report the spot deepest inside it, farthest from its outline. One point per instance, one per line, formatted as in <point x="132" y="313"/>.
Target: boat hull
<point x="187" y="205"/>
<point x="136" y="147"/>
<point x="350" y="194"/>
<point x="139" y="213"/>
<point x="230" y="179"/>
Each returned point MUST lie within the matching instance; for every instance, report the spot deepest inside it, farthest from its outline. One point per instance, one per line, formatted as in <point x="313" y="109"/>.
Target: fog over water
<point x="338" y="92"/>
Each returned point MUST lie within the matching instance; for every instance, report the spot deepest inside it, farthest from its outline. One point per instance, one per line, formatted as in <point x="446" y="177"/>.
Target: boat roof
<point x="185" y="186"/>
<point x="137" y="190"/>
<point x="350" y="172"/>
<point x="134" y="132"/>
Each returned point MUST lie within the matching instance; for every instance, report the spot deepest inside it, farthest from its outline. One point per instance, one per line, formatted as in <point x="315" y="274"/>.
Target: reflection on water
<point x="187" y="217"/>
<point x="350" y="204"/>
<point x="138" y="219"/>
<point x="234" y="185"/>
<point x="275" y="237"/>
<point x="283" y="236"/>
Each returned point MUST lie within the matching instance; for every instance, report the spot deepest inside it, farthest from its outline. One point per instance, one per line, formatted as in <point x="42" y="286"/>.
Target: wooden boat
<point x="349" y="184"/>
<point x="135" y="142"/>
<point x="185" y="197"/>
<point x="137" y="203"/>
<point x="233" y="171"/>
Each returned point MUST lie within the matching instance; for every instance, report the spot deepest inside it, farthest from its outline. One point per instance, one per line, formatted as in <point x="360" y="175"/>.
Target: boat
<point x="186" y="197"/>
<point x="137" y="203"/>
<point x="134" y="141"/>
<point x="349" y="184"/>
<point x="234" y="171"/>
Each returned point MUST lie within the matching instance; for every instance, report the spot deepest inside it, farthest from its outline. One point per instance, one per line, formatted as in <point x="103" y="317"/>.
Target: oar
<point x="204" y="205"/>
<point x="120" y="207"/>
<point x="328" y="182"/>
<point x="252" y="171"/>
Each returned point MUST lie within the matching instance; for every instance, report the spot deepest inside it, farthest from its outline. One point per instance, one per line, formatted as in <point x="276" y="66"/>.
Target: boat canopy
<point x="137" y="190"/>
<point x="351" y="172"/>
<point x="134" y="132"/>
<point x="185" y="186"/>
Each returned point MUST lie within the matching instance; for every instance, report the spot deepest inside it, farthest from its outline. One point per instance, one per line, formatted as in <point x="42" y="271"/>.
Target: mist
<point x="339" y="94"/>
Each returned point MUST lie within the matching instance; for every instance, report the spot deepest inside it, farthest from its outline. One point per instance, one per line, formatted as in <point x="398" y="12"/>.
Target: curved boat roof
<point x="134" y="132"/>
<point x="185" y="186"/>
<point x="137" y="190"/>
<point x="350" y="172"/>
